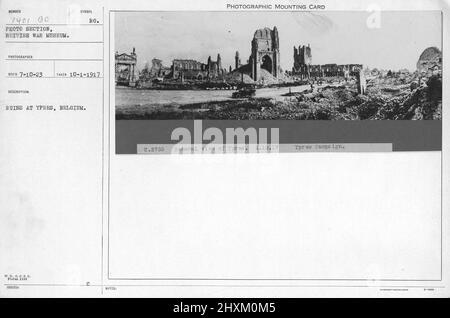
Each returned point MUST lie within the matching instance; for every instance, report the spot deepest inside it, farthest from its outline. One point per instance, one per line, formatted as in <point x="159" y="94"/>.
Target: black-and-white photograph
<point x="224" y="156"/>
<point x="350" y="65"/>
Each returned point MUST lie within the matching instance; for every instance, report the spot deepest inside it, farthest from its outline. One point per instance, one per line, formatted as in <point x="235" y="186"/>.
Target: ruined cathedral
<point x="304" y="69"/>
<point x="302" y="60"/>
<point x="265" y="53"/>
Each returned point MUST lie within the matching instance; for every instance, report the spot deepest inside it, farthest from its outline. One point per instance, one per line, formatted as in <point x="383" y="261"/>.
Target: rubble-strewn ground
<point x="399" y="97"/>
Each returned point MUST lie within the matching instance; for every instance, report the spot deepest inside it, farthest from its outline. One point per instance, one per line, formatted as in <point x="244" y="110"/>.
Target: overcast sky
<point x="335" y="37"/>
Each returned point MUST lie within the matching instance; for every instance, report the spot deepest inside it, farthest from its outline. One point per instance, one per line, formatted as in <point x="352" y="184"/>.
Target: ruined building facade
<point x="188" y="69"/>
<point x="237" y="60"/>
<point x="158" y="70"/>
<point x="302" y="61"/>
<point x="125" y="68"/>
<point x="214" y="68"/>
<point x="195" y="70"/>
<point x="304" y="69"/>
<point x="265" y="53"/>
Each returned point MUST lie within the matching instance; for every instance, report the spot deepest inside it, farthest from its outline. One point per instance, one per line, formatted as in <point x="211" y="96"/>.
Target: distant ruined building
<point x="304" y="68"/>
<point x="237" y="60"/>
<point x="125" y="68"/>
<point x="158" y="70"/>
<point x="265" y="53"/>
<point x="302" y="61"/>
<point x="195" y="70"/>
<point x="188" y="69"/>
<point x="214" y="68"/>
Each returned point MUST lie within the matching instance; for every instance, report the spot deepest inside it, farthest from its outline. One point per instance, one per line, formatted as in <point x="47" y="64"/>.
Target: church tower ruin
<point x="265" y="53"/>
<point x="302" y="61"/>
<point x="237" y="60"/>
